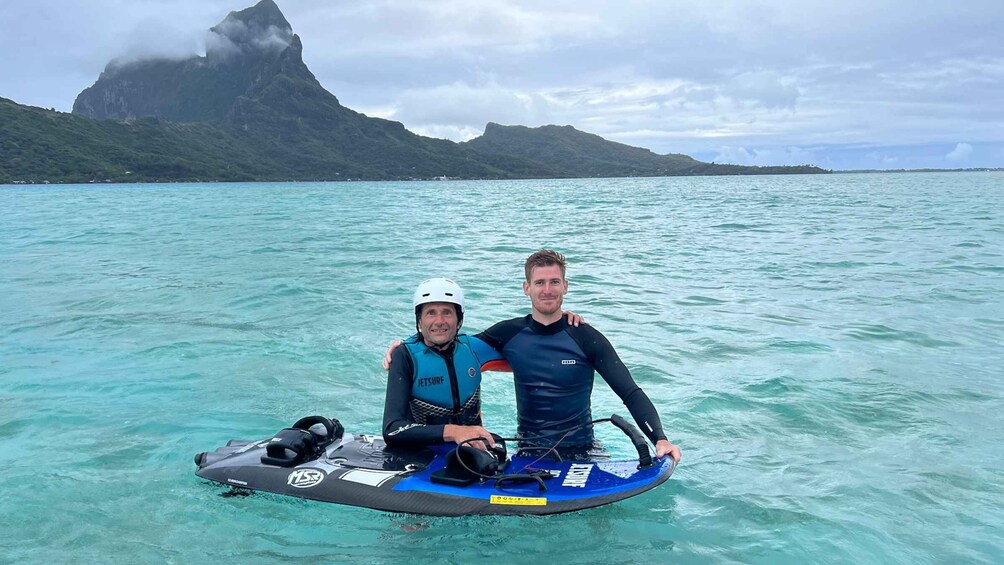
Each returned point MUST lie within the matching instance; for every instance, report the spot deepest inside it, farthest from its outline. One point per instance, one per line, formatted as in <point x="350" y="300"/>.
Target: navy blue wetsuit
<point x="553" y="367"/>
<point x="428" y="388"/>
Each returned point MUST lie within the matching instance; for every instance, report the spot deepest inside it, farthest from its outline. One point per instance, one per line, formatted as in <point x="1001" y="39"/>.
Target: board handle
<point x="644" y="456"/>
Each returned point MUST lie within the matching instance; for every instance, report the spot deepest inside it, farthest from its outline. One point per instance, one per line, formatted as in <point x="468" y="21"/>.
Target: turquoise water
<point x="826" y="350"/>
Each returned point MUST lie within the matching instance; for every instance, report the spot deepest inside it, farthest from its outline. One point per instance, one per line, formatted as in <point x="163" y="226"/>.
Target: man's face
<point x="546" y="289"/>
<point x="438" y="323"/>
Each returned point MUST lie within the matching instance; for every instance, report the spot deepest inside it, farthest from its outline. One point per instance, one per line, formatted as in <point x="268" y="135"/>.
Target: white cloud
<point x="961" y="152"/>
<point x="882" y="158"/>
<point x="764" y="156"/>
<point x="220" y="46"/>
<point x="227" y="38"/>
<point x="154" y="38"/>
<point x="767" y="89"/>
<point x="455" y="133"/>
<point x="412" y="30"/>
<point x="458" y="110"/>
<point x="273" y="39"/>
<point x="736" y="156"/>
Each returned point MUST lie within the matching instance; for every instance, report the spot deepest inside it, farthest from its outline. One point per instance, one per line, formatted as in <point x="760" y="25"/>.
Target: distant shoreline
<point x="197" y="181"/>
<point x="970" y="170"/>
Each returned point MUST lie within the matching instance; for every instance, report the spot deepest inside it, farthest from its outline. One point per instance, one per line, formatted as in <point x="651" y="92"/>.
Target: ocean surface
<point x="826" y="350"/>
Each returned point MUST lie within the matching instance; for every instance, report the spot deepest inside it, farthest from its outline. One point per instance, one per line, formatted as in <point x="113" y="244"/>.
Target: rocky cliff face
<point x="245" y="52"/>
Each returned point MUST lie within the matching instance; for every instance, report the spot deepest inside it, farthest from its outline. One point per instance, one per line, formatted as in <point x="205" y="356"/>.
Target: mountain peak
<point x="265" y="13"/>
<point x="247" y="52"/>
<point x="260" y="28"/>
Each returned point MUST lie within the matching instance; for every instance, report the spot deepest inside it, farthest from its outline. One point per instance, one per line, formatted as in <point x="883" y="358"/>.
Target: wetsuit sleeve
<point x="498" y="335"/>
<point x="483" y="351"/>
<point x="399" y="427"/>
<point x="609" y="365"/>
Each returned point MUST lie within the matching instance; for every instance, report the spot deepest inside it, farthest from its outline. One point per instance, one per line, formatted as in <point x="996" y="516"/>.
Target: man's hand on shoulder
<point x="390" y="350"/>
<point x="574" y="319"/>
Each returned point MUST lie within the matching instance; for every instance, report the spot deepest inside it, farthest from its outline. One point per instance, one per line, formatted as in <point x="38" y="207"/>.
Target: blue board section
<point x="573" y="480"/>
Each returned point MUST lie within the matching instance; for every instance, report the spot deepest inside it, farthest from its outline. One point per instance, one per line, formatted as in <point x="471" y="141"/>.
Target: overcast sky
<point x="844" y="85"/>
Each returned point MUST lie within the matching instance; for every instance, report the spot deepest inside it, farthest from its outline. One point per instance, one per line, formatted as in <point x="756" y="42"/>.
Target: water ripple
<point x="825" y="349"/>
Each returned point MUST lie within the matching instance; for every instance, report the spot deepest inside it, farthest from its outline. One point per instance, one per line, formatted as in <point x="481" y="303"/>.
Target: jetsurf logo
<point x="305" y="478"/>
<point x="430" y="381"/>
<point x="577" y="475"/>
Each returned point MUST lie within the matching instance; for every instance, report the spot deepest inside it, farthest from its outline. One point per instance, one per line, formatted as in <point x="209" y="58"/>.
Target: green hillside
<point x="574" y="153"/>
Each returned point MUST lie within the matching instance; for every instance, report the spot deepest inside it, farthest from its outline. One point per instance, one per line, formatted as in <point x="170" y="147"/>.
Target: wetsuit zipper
<point x="454" y="385"/>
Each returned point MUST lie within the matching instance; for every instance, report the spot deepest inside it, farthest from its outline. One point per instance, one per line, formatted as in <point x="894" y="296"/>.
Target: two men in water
<point x="434" y="383"/>
<point x="553" y="363"/>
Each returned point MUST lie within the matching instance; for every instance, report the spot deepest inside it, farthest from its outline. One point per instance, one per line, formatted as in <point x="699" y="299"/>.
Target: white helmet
<point x="439" y="290"/>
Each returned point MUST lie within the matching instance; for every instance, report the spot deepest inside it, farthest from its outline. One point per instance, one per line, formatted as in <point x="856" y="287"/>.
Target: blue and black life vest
<point x="445" y="392"/>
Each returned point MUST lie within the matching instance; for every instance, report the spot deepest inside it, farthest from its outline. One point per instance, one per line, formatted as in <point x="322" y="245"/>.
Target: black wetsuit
<point x="553" y="368"/>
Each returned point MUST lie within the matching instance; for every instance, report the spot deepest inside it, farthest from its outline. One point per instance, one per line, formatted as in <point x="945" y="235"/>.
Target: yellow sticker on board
<point x="518" y="500"/>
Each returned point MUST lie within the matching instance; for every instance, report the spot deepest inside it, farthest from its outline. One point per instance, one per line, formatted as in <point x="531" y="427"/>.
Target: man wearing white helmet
<point x="434" y="385"/>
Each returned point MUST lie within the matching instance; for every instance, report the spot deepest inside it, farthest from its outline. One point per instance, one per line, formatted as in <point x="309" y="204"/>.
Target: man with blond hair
<point x="554" y="365"/>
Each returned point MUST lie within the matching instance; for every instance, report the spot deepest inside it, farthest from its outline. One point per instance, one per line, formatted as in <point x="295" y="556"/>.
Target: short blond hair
<point x="544" y="258"/>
